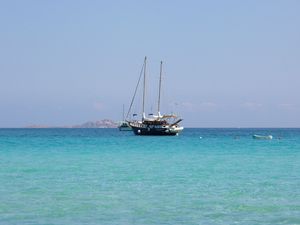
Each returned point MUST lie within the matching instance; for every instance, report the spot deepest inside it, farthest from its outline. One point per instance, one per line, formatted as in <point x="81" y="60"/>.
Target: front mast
<point x="144" y="90"/>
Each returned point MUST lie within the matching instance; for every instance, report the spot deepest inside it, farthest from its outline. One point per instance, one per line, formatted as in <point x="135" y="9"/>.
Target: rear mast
<point x="159" y="90"/>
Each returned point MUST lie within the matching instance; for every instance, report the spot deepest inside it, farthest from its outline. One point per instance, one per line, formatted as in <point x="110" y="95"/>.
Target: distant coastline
<point x="105" y="123"/>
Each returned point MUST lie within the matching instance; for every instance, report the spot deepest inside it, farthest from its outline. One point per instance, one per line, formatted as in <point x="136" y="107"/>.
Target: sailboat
<point x="156" y="124"/>
<point x="124" y="125"/>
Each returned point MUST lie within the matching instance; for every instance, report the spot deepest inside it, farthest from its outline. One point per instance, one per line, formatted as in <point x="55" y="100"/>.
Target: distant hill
<point x="105" y="123"/>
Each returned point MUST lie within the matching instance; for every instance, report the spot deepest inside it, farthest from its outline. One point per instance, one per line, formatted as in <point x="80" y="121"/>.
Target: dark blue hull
<point x="152" y="131"/>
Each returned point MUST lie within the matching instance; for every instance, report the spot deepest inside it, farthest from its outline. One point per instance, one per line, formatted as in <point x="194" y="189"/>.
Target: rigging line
<point x="137" y="85"/>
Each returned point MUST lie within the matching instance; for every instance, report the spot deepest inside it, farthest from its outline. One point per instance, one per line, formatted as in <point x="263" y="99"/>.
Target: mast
<point x="123" y="113"/>
<point x="144" y="89"/>
<point x="159" y="90"/>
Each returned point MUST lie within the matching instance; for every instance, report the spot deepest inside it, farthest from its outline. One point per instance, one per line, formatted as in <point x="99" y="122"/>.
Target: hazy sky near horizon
<point x="226" y="63"/>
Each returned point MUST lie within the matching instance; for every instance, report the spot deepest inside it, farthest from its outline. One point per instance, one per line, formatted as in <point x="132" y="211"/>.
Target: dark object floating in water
<point x="262" y="137"/>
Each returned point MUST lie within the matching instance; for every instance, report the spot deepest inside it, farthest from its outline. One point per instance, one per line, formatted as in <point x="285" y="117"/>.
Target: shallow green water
<point x="103" y="176"/>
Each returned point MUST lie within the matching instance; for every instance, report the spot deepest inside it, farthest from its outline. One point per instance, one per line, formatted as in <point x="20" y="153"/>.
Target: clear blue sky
<point x="227" y="63"/>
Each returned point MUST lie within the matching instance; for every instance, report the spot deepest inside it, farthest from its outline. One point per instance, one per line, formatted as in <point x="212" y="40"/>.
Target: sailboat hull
<point x="140" y="129"/>
<point x="154" y="132"/>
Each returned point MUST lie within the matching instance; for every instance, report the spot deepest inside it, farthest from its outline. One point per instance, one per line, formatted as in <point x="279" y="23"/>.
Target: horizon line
<point x="62" y="127"/>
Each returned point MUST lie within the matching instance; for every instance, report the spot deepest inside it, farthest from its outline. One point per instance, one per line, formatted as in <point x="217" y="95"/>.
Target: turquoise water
<point x="103" y="176"/>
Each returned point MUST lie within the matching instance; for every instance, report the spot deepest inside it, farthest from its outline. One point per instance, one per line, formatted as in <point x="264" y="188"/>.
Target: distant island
<point x="105" y="123"/>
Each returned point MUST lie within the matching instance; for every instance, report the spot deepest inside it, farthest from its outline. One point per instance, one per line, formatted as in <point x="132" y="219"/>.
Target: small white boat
<point x="124" y="125"/>
<point x="262" y="137"/>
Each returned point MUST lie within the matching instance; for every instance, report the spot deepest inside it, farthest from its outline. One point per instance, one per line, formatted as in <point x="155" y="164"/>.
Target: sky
<point x="225" y="63"/>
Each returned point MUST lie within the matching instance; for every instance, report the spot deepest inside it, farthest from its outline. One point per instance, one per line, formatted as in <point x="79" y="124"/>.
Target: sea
<point x="104" y="176"/>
